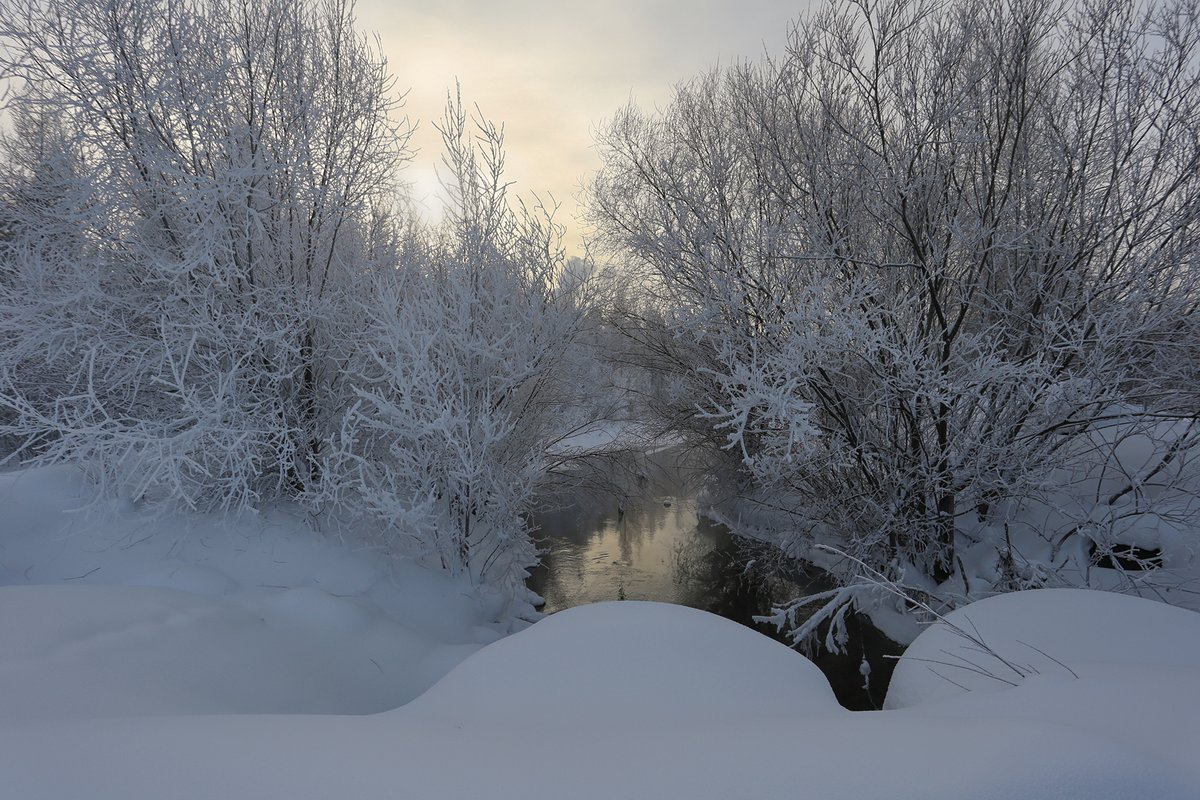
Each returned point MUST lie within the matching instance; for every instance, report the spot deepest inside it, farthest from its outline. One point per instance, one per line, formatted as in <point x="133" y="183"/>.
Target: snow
<point x="92" y="651"/>
<point x="246" y="668"/>
<point x="106" y="610"/>
<point x="614" y="435"/>
<point x="1106" y="664"/>
<point x="753" y="721"/>
<point x="637" y="663"/>
<point x="1048" y="633"/>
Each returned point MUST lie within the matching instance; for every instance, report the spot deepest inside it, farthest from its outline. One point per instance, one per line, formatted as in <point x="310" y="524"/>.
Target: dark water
<point x="643" y="539"/>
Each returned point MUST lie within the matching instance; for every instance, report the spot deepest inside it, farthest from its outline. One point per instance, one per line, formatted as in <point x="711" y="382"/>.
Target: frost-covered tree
<point x="175" y="302"/>
<point x="467" y="374"/>
<point x="209" y="298"/>
<point x="40" y="198"/>
<point x="922" y="276"/>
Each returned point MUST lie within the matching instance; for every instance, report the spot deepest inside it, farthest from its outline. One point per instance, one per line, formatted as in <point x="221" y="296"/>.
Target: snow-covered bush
<point x="910" y="273"/>
<point x="464" y="373"/>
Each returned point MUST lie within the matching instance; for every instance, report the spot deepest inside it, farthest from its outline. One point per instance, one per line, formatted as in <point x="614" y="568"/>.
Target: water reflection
<point x="643" y="539"/>
<point x="647" y="551"/>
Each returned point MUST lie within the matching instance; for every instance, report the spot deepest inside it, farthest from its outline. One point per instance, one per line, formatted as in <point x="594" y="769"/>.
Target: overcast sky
<point x="552" y="71"/>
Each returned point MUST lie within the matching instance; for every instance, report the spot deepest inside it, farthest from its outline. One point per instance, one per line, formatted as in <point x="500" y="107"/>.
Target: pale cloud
<point x="551" y="72"/>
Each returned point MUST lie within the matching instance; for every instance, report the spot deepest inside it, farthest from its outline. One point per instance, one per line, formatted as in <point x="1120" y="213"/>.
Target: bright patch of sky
<point x="553" y="71"/>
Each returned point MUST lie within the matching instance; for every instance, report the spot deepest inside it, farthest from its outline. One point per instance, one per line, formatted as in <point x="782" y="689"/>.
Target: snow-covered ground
<point x="108" y="611"/>
<point x="177" y="658"/>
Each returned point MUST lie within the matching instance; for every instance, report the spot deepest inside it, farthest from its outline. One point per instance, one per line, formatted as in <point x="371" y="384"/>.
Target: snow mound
<point x="107" y="610"/>
<point x="1120" y="672"/>
<point x="1007" y="639"/>
<point x="629" y="662"/>
<point x="96" y="651"/>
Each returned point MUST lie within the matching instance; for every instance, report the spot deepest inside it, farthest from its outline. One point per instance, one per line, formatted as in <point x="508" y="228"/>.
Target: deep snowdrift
<point x="110" y="611"/>
<point x="127" y="691"/>
<point x="85" y="651"/>
<point x="629" y="712"/>
<point x="630" y="665"/>
<point x="1039" y="636"/>
<point x="1119" y="667"/>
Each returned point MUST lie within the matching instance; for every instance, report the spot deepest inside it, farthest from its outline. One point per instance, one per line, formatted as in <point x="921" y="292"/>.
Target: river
<point x="644" y="539"/>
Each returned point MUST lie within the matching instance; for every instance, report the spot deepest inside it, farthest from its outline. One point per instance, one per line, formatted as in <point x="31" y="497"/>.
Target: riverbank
<point x="107" y="610"/>
<point x="244" y="661"/>
<point x="637" y="700"/>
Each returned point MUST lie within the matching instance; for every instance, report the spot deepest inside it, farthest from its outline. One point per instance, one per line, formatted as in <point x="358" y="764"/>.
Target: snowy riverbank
<point x="237" y="662"/>
<point x="110" y="610"/>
